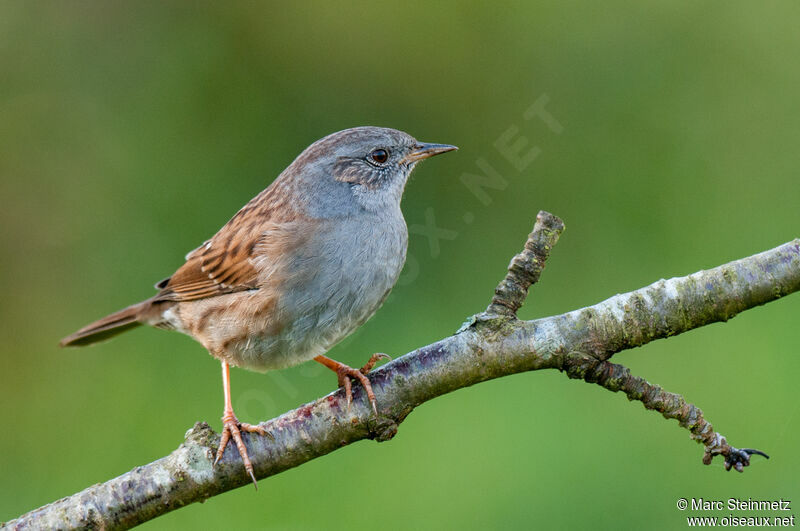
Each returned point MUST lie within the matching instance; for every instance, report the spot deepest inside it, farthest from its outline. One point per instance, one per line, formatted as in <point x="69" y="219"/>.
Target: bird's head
<point x="365" y="165"/>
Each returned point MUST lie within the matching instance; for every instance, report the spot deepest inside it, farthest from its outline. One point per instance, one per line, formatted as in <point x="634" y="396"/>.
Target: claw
<point x="344" y="374"/>
<point x="373" y="360"/>
<point x="345" y="382"/>
<point x="232" y="429"/>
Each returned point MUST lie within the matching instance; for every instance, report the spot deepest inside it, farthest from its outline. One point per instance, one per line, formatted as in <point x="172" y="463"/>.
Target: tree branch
<point x="488" y="345"/>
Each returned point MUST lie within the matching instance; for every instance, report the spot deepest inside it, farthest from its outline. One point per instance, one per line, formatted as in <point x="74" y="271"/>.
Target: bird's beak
<point x="423" y="151"/>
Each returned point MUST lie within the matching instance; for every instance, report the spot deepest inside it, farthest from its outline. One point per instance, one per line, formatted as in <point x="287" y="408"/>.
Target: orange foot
<point x="232" y="428"/>
<point x="344" y="373"/>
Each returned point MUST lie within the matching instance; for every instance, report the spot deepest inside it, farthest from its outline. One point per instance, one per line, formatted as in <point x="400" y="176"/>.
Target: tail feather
<point x="107" y="327"/>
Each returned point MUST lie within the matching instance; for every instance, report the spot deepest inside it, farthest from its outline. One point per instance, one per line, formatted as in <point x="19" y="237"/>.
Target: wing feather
<point x="227" y="262"/>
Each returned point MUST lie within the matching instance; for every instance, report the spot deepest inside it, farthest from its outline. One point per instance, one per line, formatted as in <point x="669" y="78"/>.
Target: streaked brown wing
<point x="263" y="232"/>
<point x="235" y="261"/>
<point x="222" y="265"/>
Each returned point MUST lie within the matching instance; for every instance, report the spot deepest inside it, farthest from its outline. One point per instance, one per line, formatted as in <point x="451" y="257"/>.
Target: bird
<point x="296" y="270"/>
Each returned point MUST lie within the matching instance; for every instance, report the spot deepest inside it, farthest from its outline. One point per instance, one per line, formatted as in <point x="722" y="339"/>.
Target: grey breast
<point x="348" y="270"/>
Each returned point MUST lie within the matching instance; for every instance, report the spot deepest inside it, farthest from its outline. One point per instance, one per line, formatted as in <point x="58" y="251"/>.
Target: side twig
<point x="616" y="377"/>
<point x="489" y="345"/>
<point x="526" y="268"/>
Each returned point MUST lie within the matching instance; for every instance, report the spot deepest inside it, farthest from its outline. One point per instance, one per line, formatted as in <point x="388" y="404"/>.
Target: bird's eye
<point x="379" y="156"/>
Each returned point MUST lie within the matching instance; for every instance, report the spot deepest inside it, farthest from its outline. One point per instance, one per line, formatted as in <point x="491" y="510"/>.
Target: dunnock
<point x="296" y="270"/>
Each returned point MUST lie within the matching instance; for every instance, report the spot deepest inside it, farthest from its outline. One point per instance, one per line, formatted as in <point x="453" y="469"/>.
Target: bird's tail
<point x="108" y="326"/>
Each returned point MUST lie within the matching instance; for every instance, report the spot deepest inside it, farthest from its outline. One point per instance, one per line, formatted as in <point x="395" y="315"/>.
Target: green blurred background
<point x="131" y="132"/>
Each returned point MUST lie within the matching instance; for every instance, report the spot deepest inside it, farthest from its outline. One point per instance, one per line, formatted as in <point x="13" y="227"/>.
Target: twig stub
<point x="526" y="267"/>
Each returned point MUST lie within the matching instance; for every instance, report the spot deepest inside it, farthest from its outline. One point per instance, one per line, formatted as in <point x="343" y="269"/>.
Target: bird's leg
<point x="231" y="427"/>
<point x="344" y="373"/>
